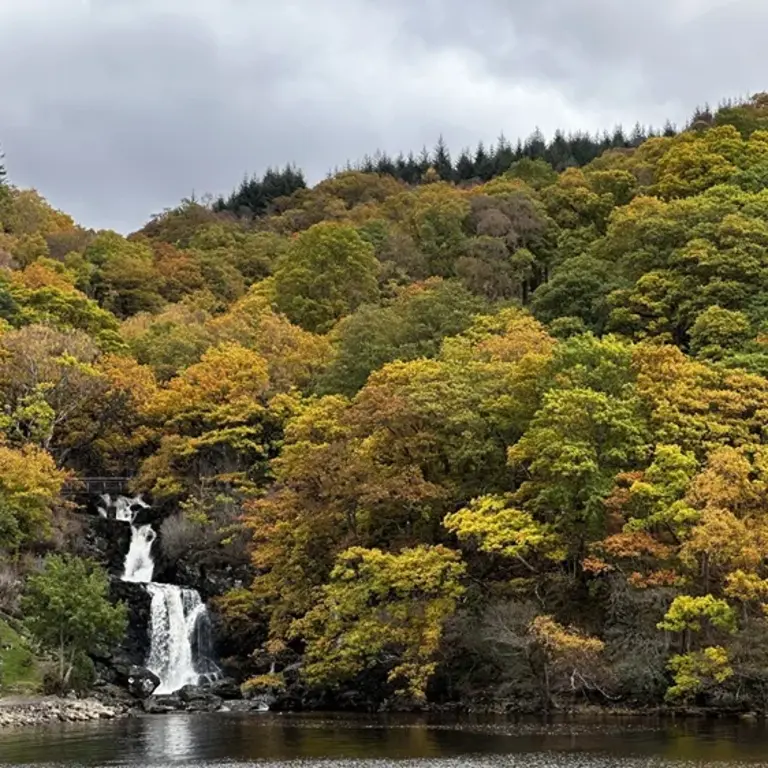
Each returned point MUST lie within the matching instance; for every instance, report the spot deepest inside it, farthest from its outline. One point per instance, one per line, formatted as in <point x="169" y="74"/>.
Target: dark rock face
<point x="115" y="696"/>
<point x="106" y="541"/>
<point x="227" y="689"/>
<point x="124" y="666"/>
<point x="210" y="579"/>
<point x="134" y="647"/>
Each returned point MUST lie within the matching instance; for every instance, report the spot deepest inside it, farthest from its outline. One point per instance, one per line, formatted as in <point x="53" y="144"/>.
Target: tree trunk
<point x="61" y="654"/>
<point x="71" y="666"/>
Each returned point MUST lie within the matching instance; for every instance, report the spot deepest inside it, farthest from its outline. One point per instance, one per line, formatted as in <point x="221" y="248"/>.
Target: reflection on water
<point x="172" y="738"/>
<point x="291" y="741"/>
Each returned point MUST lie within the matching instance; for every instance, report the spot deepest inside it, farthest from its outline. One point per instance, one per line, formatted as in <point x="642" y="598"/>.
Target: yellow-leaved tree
<point x="382" y="610"/>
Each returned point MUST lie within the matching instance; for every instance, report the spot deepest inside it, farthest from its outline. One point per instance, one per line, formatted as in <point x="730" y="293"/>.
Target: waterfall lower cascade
<point x="181" y="647"/>
<point x="181" y="641"/>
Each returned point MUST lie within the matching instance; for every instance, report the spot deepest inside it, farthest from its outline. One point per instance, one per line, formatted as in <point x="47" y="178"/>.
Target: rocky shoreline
<point x="111" y="703"/>
<point x="52" y="709"/>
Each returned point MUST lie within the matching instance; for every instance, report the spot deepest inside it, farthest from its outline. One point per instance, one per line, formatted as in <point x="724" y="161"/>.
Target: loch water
<point x="225" y="740"/>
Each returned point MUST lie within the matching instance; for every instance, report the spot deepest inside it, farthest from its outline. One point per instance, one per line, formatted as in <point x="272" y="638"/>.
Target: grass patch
<point x="20" y="672"/>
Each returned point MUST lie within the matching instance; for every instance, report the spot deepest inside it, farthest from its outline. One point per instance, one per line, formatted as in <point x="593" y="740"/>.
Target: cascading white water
<point x="180" y="646"/>
<point x="175" y="614"/>
<point x="124" y="507"/>
<point x="139" y="565"/>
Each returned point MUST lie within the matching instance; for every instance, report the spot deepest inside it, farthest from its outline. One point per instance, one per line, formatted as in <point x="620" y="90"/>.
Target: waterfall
<point x="181" y="649"/>
<point x="177" y="615"/>
<point x="139" y="565"/>
<point x="124" y="507"/>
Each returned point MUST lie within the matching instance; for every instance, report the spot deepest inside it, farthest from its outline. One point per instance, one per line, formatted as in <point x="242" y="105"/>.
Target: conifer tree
<point x="424" y="162"/>
<point x="483" y="163"/>
<point x="504" y="156"/>
<point x="441" y="161"/>
<point x="465" y="167"/>
<point x="536" y="145"/>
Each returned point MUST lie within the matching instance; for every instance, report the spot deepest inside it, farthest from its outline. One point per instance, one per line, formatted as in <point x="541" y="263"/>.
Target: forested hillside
<point x="496" y="438"/>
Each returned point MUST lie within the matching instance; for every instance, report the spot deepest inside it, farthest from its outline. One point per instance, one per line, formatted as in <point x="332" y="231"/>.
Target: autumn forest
<point x="489" y="432"/>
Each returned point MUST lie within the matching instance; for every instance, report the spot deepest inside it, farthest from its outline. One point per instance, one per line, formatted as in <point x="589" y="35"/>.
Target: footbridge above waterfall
<point x="95" y="486"/>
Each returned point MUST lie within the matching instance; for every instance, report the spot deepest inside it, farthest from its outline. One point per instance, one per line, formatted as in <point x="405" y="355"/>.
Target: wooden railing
<point x="97" y="485"/>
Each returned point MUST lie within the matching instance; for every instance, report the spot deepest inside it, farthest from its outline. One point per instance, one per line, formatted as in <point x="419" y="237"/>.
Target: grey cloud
<point x="118" y="108"/>
<point x="611" y="52"/>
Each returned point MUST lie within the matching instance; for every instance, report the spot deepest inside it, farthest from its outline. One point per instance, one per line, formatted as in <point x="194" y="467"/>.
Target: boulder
<point x="161" y="705"/>
<point x="210" y="703"/>
<point x="247" y="705"/>
<point x="141" y="682"/>
<point x="226" y="688"/>
<point x="191" y="693"/>
<point x="136" y="679"/>
<point x="199" y="699"/>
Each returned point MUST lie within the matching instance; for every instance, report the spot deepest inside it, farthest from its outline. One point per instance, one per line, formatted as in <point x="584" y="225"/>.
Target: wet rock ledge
<point x="52" y="709"/>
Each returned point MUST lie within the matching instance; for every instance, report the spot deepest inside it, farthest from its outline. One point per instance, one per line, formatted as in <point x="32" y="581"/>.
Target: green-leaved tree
<point x="67" y="610"/>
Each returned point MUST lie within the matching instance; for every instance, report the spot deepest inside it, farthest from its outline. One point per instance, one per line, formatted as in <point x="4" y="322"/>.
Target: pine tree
<point x="483" y="163"/>
<point x="504" y="156"/>
<point x="3" y="172"/>
<point x="619" y="139"/>
<point x="424" y="162"/>
<point x="413" y="170"/>
<point x="385" y="165"/>
<point x="401" y="168"/>
<point x="638" y="135"/>
<point x="559" y="152"/>
<point x="465" y="167"/>
<point x="535" y="145"/>
<point x="368" y="166"/>
<point x="441" y="161"/>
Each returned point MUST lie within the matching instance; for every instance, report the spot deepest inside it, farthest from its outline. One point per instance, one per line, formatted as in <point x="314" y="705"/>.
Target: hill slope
<point x="476" y="439"/>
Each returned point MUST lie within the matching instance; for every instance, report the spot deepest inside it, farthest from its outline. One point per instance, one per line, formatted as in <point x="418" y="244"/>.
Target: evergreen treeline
<point x="255" y="194"/>
<point x="486" y="163"/>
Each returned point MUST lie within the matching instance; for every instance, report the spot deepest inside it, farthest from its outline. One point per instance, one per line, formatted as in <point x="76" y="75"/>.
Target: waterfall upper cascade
<point x="181" y="648"/>
<point x="123" y="506"/>
<point x="139" y="565"/>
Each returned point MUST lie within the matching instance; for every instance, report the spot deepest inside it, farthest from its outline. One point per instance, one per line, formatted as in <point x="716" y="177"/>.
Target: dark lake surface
<point x="325" y="741"/>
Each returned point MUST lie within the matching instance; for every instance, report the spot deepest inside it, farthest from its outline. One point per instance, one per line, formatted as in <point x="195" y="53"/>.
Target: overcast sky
<point x="116" y="109"/>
